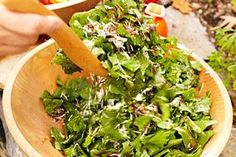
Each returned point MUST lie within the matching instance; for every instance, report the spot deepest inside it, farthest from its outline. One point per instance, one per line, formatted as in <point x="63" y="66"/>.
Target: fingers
<point x="15" y="39"/>
<point x="8" y="50"/>
<point x="18" y="31"/>
<point x="28" y="24"/>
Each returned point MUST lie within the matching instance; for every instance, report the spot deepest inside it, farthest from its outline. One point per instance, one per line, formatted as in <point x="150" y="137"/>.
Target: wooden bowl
<point x="29" y="124"/>
<point x="66" y="9"/>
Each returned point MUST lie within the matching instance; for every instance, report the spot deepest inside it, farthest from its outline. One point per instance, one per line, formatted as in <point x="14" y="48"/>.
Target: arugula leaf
<point x="79" y="87"/>
<point x="50" y="103"/>
<point x="115" y="86"/>
<point x="177" y="153"/>
<point x="70" y="152"/>
<point x="189" y="94"/>
<point x="65" y="62"/>
<point x="77" y="124"/>
<point x="126" y="149"/>
<point x="203" y="105"/>
<point x="193" y="125"/>
<point x="142" y="121"/>
<point x="59" y="138"/>
<point x="162" y="153"/>
<point x="196" y="65"/>
<point x="83" y="17"/>
<point x="204" y="138"/>
<point x="203" y="124"/>
<point x="160" y="138"/>
<point x="89" y="138"/>
<point x="189" y="142"/>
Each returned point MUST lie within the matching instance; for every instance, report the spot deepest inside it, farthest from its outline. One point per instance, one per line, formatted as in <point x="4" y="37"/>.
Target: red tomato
<point x="45" y="1"/>
<point x="151" y="1"/>
<point x="162" y="28"/>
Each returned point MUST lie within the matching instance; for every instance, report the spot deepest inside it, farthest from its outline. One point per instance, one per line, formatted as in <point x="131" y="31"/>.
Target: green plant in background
<point x="224" y="61"/>
<point x="234" y="4"/>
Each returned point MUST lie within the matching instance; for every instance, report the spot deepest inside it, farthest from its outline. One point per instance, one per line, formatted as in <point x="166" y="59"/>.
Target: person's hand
<point x="19" y="31"/>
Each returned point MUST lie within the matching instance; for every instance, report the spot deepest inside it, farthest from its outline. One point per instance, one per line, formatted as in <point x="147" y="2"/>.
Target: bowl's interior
<point x="29" y="124"/>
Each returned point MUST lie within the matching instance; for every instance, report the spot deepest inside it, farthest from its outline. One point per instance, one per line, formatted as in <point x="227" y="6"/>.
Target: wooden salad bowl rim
<point x="66" y="9"/>
<point x="64" y="4"/>
<point x="213" y="148"/>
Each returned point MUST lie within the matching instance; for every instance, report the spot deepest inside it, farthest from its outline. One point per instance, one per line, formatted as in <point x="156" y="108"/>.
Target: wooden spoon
<point x="72" y="45"/>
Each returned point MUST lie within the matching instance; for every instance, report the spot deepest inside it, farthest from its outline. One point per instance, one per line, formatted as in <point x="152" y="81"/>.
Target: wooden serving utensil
<point x="71" y="44"/>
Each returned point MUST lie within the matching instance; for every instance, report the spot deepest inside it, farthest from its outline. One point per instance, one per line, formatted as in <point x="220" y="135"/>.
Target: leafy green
<point x="226" y="40"/>
<point x="203" y="139"/>
<point x="145" y="107"/>
<point x="65" y="62"/>
<point x="234" y="4"/>
<point x="59" y="138"/>
<point x="224" y="60"/>
<point x="159" y="138"/>
<point x="189" y="142"/>
<point x="142" y="121"/>
<point x="196" y="65"/>
<point x="50" y="103"/>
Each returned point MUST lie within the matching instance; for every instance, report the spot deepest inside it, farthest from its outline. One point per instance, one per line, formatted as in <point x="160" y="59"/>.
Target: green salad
<point x="148" y="106"/>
